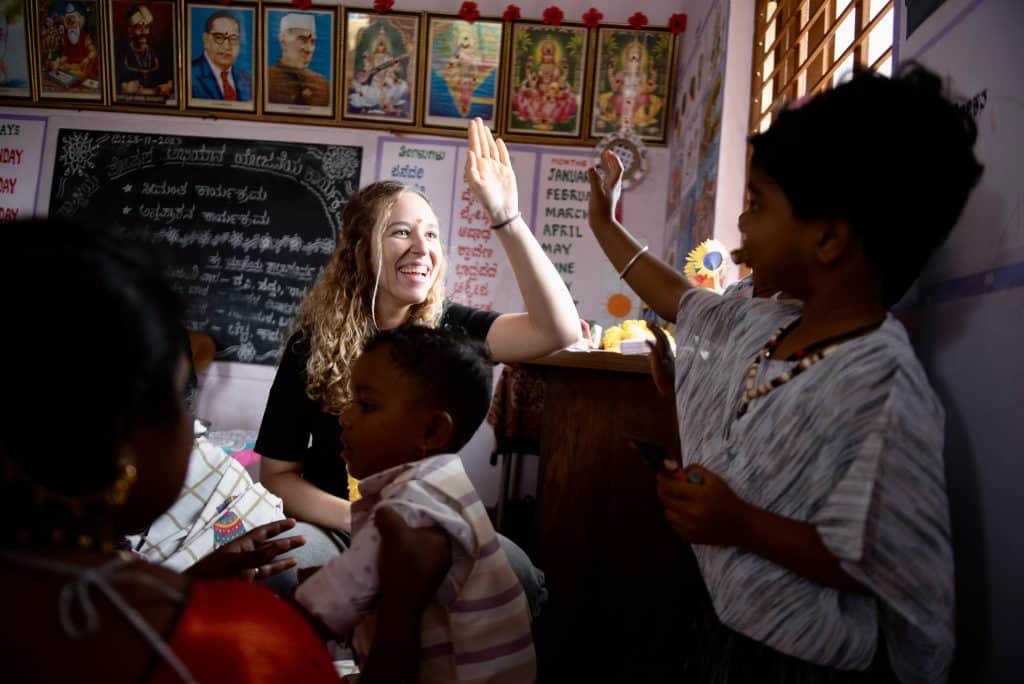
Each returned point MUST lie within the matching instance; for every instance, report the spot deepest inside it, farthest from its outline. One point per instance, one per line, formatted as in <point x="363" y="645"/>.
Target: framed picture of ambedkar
<point x="14" y="73"/>
<point x="144" y="45"/>
<point x="547" y="75"/>
<point x="463" y="71"/>
<point x="298" y="66"/>
<point x="70" y="56"/>
<point x="380" y="63"/>
<point x="221" y="48"/>
<point x="632" y="82"/>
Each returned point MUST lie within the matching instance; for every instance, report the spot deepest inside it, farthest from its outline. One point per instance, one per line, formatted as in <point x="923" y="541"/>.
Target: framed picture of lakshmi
<point x="463" y="71"/>
<point x="632" y="82"/>
<point x="380" y="66"/>
<point x="547" y="77"/>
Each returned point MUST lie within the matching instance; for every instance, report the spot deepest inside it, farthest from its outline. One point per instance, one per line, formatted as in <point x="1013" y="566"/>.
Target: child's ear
<point x="834" y="237"/>
<point x="439" y="431"/>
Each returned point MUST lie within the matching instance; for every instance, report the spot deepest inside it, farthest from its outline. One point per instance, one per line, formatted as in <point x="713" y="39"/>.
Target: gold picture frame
<point x="381" y="67"/>
<point x="16" y="63"/>
<point x="221" y="47"/>
<point x="299" y="61"/>
<point x="70" y="59"/>
<point x="143" y="49"/>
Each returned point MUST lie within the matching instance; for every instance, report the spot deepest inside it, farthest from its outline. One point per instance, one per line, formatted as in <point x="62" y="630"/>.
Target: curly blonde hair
<point x="337" y="315"/>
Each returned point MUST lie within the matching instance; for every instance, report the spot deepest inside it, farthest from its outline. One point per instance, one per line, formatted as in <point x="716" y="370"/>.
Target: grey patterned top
<point x="853" y="446"/>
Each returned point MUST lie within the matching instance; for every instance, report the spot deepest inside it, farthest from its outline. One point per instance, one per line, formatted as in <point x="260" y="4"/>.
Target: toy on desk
<point x="705" y="265"/>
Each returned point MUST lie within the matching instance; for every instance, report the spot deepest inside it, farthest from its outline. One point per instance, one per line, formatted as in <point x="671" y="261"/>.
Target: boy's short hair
<point x="892" y="156"/>
<point x="452" y="372"/>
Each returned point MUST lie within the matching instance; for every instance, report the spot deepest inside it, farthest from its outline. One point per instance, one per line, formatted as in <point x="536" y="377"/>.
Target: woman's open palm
<point x="490" y="175"/>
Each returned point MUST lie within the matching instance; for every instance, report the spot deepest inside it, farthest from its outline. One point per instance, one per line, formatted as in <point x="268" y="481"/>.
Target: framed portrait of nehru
<point x="70" y="55"/>
<point x="14" y="73"/>
<point x="221" y="53"/>
<point x="144" y="42"/>
<point x="381" y="66"/>
<point x="298" y="67"/>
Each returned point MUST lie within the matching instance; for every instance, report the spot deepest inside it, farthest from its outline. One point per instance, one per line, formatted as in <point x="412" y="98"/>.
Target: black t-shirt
<point x="291" y="417"/>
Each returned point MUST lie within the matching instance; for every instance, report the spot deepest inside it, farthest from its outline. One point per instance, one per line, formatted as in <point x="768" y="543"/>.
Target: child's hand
<point x="605" y="188"/>
<point x="251" y="556"/>
<point x="701" y="509"/>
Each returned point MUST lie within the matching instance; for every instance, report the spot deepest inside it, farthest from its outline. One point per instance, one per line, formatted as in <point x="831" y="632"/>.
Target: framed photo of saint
<point x="221" y="53"/>
<point x="546" y="80"/>
<point x="463" y="71"/>
<point x="298" y="67"/>
<point x="70" y="55"/>
<point x="144" y="40"/>
<point x="14" y="73"/>
<point x="380" y="63"/>
<point x="632" y="82"/>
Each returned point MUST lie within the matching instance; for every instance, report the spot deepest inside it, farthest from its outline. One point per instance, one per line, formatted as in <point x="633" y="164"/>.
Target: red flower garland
<point x="591" y="18"/>
<point x="302" y="4"/>
<point x="677" y="23"/>
<point x="382" y="6"/>
<point x="638" y="20"/>
<point x="469" y="12"/>
<point x="512" y="13"/>
<point x="553" y="16"/>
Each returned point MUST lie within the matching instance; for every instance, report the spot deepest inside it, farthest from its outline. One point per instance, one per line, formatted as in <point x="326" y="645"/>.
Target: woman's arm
<point x="303" y="499"/>
<point x="657" y="283"/>
<point x="550" y="322"/>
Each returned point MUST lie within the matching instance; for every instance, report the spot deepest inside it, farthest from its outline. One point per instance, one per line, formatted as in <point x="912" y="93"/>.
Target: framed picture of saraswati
<point x="380" y="66"/>
<point x="463" y="71"/>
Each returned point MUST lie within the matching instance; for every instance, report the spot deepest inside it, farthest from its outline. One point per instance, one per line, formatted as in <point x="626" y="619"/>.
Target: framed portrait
<point x="70" y="54"/>
<point x="298" y="67"/>
<point x="380" y="62"/>
<point x="547" y="76"/>
<point x="463" y="71"/>
<point x="221" y="41"/>
<point x="632" y="82"/>
<point x="143" y="41"/>
<point x="14" y="74"/>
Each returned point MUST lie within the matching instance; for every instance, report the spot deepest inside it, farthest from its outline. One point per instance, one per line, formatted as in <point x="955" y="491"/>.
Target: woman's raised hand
<point x="490" y="175"/>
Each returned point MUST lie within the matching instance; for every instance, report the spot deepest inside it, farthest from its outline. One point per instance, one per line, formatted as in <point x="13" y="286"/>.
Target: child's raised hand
<point x="703" y="510"/>
<point x="605" y="187"/>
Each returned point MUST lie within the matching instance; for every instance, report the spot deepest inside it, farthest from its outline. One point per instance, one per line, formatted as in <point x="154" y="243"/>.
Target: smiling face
<point x="408" y="252"/>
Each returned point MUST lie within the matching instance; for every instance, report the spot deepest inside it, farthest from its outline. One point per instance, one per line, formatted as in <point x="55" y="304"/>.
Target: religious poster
<point x="298" y="68"/>
<point x="547" y="77"/>
<point x="632" y="82"/>
<point x="70" y="59"/>
<point x="380" y="66"/>
<point x="13" y="50"/>
<point x="222" y="48"/>
<point x="21" y="158"/>
<point x="144" y="41"/>
<point x="463" y="67"/>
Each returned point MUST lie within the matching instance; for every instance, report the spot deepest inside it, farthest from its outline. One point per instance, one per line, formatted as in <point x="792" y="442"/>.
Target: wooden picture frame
<point x="70" y="64"/>
<point x="235" y="54"/>
<point x="633" y="78"/>
<point x="547" y="78"/>
<point x="299" y="61"/>
<point x="381" y="67"/>
<point x="143" y="43"/>
<point x="15" y="73"/>
<point x="462" y="72"/>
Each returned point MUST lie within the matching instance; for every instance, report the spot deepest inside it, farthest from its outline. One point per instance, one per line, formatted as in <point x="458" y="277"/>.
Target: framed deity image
<point x="144" y="45"/>
<point x="632" y="82"/>
<point x="298" y="61"/>
<point x="70" y="55"/>
<point x="380" y="63"/>
<point x="546" y="80"/>
<point x="14" y="73"/>
<point x="221" y="50"/>
<point x="463" y="71"/>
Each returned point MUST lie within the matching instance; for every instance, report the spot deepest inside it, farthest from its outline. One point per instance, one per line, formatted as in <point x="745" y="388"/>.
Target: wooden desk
<point x="618" y="578"/>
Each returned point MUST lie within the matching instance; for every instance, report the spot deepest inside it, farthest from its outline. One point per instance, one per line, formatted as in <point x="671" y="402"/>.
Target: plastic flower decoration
<point x="638" y="20"/>
<point x="553" y="16"/>
<point x="302" y="4"/>
<point x="677" y="23"/>
<point x="382" y="6"/>
<point x="469" y="12"/>
<point x="591" y="18"/>
<point x="512" y="13"/>
<point x="705" y="264"/>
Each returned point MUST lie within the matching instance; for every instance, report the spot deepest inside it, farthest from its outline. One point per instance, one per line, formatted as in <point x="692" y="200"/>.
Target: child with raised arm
<point x="419" y="394"/>
<point x="813" y="489"/>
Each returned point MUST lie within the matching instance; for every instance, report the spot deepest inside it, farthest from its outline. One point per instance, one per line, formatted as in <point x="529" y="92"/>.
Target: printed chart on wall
<point x="244" y="226"/>
<point x="988" y="243"/>
<point x="21" y="157"/>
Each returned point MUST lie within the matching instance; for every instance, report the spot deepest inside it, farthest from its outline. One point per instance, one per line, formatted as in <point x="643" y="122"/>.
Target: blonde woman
<point x="386" y="271"/>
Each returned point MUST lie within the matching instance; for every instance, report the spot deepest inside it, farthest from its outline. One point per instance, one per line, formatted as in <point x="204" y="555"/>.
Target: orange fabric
<point x="232" y="631"/>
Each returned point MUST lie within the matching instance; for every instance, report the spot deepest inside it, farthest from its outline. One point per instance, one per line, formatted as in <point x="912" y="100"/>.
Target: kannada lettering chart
<point x="21" y="156"/>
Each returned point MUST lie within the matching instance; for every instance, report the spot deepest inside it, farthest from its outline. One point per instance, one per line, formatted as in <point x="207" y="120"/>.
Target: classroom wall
<point x="967" y="327"/>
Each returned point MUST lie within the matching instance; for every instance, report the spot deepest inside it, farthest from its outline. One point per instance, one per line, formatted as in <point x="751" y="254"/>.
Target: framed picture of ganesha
<point x="546" y="80"/>
<point x="632" y="82"/>
<point x="462" y="71"/>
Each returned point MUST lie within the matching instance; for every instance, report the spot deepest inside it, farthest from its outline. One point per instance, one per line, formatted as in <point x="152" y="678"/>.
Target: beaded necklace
<point x="805" y="357"/>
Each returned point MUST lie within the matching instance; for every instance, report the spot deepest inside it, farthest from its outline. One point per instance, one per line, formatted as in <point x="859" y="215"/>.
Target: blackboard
<point x="244" y="226"/>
